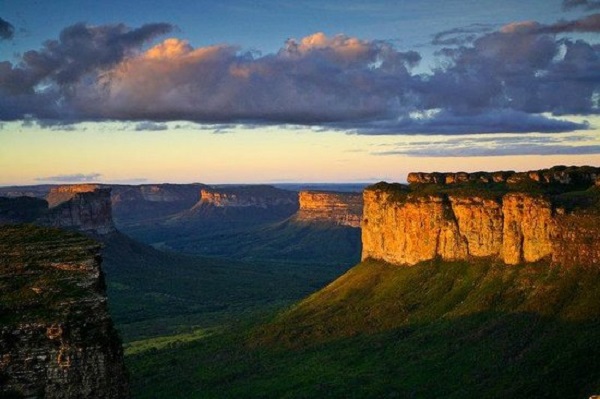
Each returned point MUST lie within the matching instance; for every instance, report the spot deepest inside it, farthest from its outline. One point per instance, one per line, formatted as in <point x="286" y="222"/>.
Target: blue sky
<point x="265" y="91"/>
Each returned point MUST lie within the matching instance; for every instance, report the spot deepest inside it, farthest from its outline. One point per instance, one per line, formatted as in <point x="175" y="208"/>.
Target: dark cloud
<point x="151" y="126"/>
<point x="587" y="4"/>
<point x="81" y="49"/>
<point x="590" y="23"/>
<point x="74" y="178"/>
<point x="507" y="80"/>
<point x="7" y="31"/>
<point x="460" y="36"/>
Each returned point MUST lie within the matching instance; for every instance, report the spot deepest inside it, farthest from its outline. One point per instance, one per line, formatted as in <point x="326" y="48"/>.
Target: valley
<point x="470" y="285"/>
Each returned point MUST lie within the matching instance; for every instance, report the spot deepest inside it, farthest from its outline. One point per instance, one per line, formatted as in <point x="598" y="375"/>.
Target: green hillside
<point x="153" y="293"/>
<point x="438" y="329"/>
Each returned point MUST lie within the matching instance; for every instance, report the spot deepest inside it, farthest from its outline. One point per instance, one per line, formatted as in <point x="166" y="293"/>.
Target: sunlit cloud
<point x="524" y="77"/>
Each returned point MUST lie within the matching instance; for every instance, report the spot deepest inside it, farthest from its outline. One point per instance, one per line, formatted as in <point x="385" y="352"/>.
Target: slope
<point x="438" y="329"/>
<point x="152" y="292"/>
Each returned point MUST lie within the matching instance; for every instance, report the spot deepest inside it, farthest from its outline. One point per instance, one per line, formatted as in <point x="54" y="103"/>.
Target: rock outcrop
<point x="258" y="196"/>
<point x="60" y="194"/>
<point x="343" y="209"/>
<point x="87" y="211"/>
<point x="401" y="226"/>
<point x="558" y="174"/>
<point x="56" y="337"/>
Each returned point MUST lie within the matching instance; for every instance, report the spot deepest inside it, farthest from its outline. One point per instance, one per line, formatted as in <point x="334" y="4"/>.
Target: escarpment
<point x="543" y="215"/>
<point x="258" y="196"/>
<point x="87" y="211"/>
<point x="57" y="339"/>
<point x="343" y="209"/>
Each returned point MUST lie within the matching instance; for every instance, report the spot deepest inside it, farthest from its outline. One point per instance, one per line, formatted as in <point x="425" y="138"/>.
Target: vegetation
<point x="438" y="329"/>
<point x="33" y="281"/>
<point x="153" y="293"/>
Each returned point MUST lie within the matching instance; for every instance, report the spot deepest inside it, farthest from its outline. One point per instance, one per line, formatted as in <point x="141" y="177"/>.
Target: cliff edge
<point x="344" y="209"/>
<point x="518" y="219"/>
<point x="57" y="339"/>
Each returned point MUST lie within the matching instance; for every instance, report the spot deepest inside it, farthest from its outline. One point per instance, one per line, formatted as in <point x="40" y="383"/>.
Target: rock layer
<point x="247" y="196"/>
<point x="558" y="174"/>
<point x="516" y="227"/>
<point x="343" y="209"/>
<point x="56" y="337"/>
<point x="87" y="211"/>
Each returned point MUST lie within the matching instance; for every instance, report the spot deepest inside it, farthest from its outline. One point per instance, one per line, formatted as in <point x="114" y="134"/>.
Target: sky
<point x="269" y="91"/>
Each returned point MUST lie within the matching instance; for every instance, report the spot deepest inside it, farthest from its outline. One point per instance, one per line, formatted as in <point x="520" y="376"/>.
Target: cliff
<point x="343" y="209"/>
<point x="56" y="337"/>
<point x="475" y="219"/>
<point x="258" y="196"/>
<point x="87" y="211"/>
<point x="60" y="194"/>
<point x="585" y="175"/>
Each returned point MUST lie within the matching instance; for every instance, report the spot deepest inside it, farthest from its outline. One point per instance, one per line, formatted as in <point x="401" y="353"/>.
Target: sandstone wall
<point x="60" y="194"/>
<point x="560" y="175"/>
<point x="516" y="228"/>
<point x="247" y="196"/>
<point x="87" y="211"/>
<point x="56" y="336"/>
<point x="339" y="208"/>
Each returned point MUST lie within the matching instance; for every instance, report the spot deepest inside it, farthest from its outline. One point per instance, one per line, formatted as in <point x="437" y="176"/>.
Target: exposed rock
<point x="331" y="207"/>
<point x="60" y="194"/>
<point x="87" y="211"/>
<point x="557" y="174"/>
<point x="257" y="196"/>
<point x="56" y="337"/>
<point x="575" y="240"/>
<point x="528" y="225"/>
<point x="404" y="227"/>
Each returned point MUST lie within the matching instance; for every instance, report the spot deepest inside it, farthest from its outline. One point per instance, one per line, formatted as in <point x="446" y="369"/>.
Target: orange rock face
<point x="332" y="207"/>
<point x="60" y="194"/>
<point x="517" y="228"/>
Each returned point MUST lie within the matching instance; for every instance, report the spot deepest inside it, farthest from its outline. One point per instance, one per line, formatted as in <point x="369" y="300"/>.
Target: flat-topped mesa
<point x="57" y="339"/>
<point x="343" y="209"/>
<point x="60" y="194"/>
<point x="87" y="211"/>
<point x="410" y="224"/>
<point x="558" y="174"/>
<point x="257" y="196"/>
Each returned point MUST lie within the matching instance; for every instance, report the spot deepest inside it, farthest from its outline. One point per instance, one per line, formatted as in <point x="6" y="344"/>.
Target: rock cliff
<point x="56" y="337"/>
<point x="247" y="196"/>
<point x="343" y="209"/>
<point x="60" y="194"/>
<point x="559" y="174"/>
<point x="485" y="219"/>
<point x="87" y="211"/>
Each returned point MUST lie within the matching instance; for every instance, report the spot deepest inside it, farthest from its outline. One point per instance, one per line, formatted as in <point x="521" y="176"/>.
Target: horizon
<point x="274" y="92"/>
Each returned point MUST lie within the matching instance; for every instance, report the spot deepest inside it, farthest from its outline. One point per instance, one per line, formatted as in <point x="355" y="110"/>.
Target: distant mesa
<point x="513" y="217"/>
<point x="344" y="209"/>
<point x="84" y="208"/>
<point x="256" y="196"/>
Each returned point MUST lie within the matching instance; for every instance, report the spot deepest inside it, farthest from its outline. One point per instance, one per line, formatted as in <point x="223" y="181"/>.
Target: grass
<point x="452" y="330"/>
<point x="153" y="293"/>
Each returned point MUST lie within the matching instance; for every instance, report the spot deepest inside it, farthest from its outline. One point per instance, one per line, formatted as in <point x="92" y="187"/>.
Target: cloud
<point x="520" y="78"/>
<point x="587" y="4"/>
<point x="74" y="178"/>
<point x="7" y="31"/>
<point x="150" y="126"/>
<point x="475" y="146"/>
<point x="460" y="36"/>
